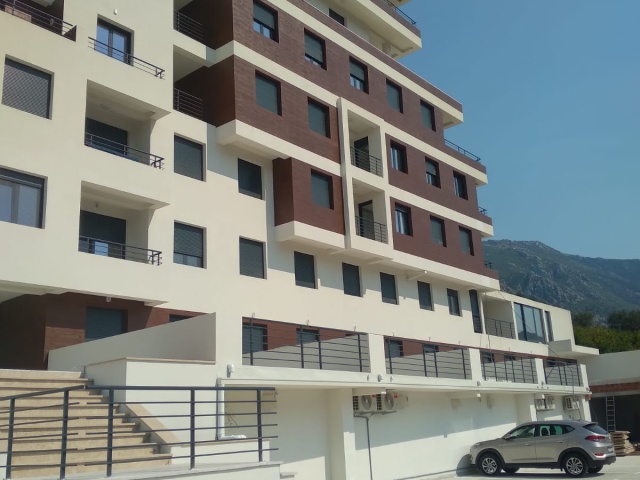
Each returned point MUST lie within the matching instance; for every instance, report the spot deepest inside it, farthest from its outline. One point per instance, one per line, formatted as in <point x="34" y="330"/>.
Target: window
<point x="337" y="17"/>
<point x="433" y="173"/>
<point x="321" y="189"/>
<point x="394" y="96"/>
<point x="265" y="20"/>
<point x="188" y="158"/>
<point x="314" y="49"/>
<point x="460" y="185"/>
<point x="547" y="316"/>
<point x="268" y="93"/>
<point x="403" y="220"/>
<point x="529" y="322"/>
<point x="424" y="296"/>
<point x="437" y="232"/>
<point x="107" y="138"/>
<point x="113" y="41"/>
<point x="358" y="75"/>
<point x="475" y="311"/>
<point x="351" y="280"/>
<point x="308" y="335"/>
<point x="398" y="157"/>
<point x="466" y="241"/>
<point x="454" y="303"/>
<point x="319" y="118"/>
<point x="395" y="349"/>
<point x="249" y="179"/>
<point x="428" y="116"/>
<point x="527" y="431"/>
<point x="177" y="318"/>
<point x="188" y="245"/>
<point x="305" y="270"/>
<point x="388" y="288"/>
<point x="254" y="338"/>
<point x="26" y="89"/>
<point x="102" y="235"/>
<point x="251" y="258"/>
<point x="21" y="198"/>
<point x="103" y="323"/>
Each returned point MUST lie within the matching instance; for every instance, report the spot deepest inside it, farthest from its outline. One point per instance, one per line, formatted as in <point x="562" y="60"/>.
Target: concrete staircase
<point x="38" y="427"/>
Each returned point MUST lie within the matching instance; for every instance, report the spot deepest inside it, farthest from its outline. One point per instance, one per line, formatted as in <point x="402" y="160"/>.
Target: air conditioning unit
<point x="571" y="403"/>
<point x="365" y="403"/>
<point x="392" y="401"/>
<point x="546" y="403"/>
<point x="540" y="405"/>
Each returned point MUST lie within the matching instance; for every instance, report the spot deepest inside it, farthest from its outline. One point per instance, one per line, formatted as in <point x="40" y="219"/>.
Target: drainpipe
<point x="220" y="415"/>
<point x="367" y="418"/>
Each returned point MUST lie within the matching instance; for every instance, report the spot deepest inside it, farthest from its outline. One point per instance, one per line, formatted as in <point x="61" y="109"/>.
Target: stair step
<point x="85" y="441"/>
<point x="16" y="390"/>
<point x="39" y="431"/>
<point x="77" y="456"/>
<point x="55" y="411"/>
<point x="37" y="375"/>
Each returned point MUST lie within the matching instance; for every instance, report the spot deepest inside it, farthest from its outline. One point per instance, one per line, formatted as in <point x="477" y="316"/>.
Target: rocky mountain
<point x="579" y="284"/>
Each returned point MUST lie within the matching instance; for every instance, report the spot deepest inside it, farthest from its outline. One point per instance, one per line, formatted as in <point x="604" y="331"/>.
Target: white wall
<point x="614" y="368"/>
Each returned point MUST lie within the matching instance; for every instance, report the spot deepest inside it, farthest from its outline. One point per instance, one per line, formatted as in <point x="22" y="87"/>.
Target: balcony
<point x="39" y="18"/>
<point x="415" y="358"/>
<point x="96" y="246"/>
<point x="372" y="230"/>
<point x="188" y="26"/>
<point x="399" y="12"/>
<point x="563" y="373"/>
<point x="126" y="58"/>
<point x="462" y="151"/>
<point x="499" y="328"/>
<point x="188" y="104"/>
<point x="122" y="150"/>
<point x="483" y="211"/>
<point x="364" y="161"/>
<point x="508" y="368"/>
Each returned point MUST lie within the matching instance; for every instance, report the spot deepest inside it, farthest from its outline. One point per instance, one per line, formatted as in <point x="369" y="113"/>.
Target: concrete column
<point x="540" y="371"/>
<point x="376" y="356"/>
<point x="526" y="408"/>
<point x="228" y="339"/>
<point x="475" y="361"/>
<point x="342" y="435"/>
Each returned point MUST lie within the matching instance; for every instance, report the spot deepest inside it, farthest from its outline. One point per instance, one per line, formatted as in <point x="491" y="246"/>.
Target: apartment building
<point x="271" y="165"/>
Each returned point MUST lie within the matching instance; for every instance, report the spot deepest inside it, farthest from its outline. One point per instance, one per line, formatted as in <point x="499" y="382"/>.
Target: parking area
<point x="625" y="468"/>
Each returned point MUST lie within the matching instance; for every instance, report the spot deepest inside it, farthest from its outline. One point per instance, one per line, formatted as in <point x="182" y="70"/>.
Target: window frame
<point x="17" y="65"/>
<point x="272" y="82"/>
<point x="123" y="321"/>
<point x="432" y="179"/>
<point x="255" y="243"/>
<point x="521" y="323"/>
<point x="185" y="255"/>
<point x="426" y="288"/>
<point x="309" y="57"/>
<point x="329" y="182"/>
<point x="319" y="107"/>
<point x="16" y="181"/>
<point x="337" y="17"/>
<point x="399" y="344"/>
<point x="402" y="216"/>
<point x="467" y="235"/>
<point x="454" y="308"/>
<point x="356" y="271"/>
<point x="424" y="106"/>
<point x="354" y="80"/>
<point x="391" y="86"/>
<point x="549" y="325"/>
<point x="253" y="328"/>
<point x="298" y="269"/>
<point x="398" y="162"/>
<point x="262" y="27"/>
<point x="111" y="29"/>
<point x="433" y="220"/>
<point x="389" y="277"/>
<point x="203" y="157"/>
<point x="249" y="168"/>
<point x="460" y="185"/>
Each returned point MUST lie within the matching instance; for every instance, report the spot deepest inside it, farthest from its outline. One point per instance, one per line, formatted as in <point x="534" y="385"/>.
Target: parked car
<point x="577" y="447"/>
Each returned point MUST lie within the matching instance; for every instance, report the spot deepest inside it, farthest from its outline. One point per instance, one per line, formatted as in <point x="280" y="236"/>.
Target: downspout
<point x="220" y="415"/>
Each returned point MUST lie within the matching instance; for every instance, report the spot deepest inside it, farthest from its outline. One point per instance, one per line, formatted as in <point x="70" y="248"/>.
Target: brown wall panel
<point x="216" y="18"/>
<point x="22" y="323"/>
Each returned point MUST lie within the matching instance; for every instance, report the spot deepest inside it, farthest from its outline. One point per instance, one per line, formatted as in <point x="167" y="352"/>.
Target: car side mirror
<point x="508" y="437"/>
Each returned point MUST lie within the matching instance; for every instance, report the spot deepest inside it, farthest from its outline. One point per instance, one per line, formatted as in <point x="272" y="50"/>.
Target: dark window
<point x="466" y="241"/>
<point x="188" y="158"/>
<point x="188" y="245"/>
<point x="433" y="173"/>
<point x="107" y="138"/>
<point x="403" y="220"/>
<point x="177" y="318"/>
<point x="394" y="349"/>
<point x="475" y="311"/>
<point x="319" y="118"/>
<point x="429" y="348"/>
<point x="388" y="288"/>
<point x="351" y="279"/>
<point x="308" y="335"/>
<point x="21" y="198"/>
<point x="103" y="323"/>
<point x="394" y="96"/>
<point x="460" y="185"/>
<point x="113" y="41"/>
<point x="530" y="325"/>
<point x="321" y="189"/>
<point x="268" y="93"/>
<point x="424" y="296"/>
<point x="358" y="75"/>
<point x="102" y="235"/>
<point x="26" y="89"/>
<point x="251" y="258"/>
<point x="398" y="157"/>
<point x="265" y="20"/>
<point x="437" y="232"/>
<point x="314" y="49"/>
<point x="254" y="338"/>
<point x="547" y="316"/>
<point x="337" y="17"/>
<point x="305" y="270"/>
<point x="428" y="115"/>
<point x="454" y="302"/>
<point x="249" y="178"/>
<point x="594" y="428"/>
<point x="487" y="357"/>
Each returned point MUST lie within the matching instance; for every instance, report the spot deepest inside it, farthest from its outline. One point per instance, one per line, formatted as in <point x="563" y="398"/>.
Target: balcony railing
<point x="366" y="162"/>
<point x="560" y="372"/>
<point x="400" y="12"/>
<point x="499" y="328"/>
<point x="488" y="265"/>
<point x="369" y="229"/>
<point x="483" y="211"/>
<point x="508" y="368"/>
<point x="125" y="57"/>
<point x="411" y="357"/>
<point x="279" y="344"/>
<point x="105" y="248"/>
<point x="39" y="18"/>
<point x="188" y="104"/>
<point x="461" y="150"/>
<point x="125" y="151"/>
<point x="188" y="26"/>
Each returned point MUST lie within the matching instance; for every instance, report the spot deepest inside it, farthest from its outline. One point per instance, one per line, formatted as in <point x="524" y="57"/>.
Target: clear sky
<point x="551" y="97"/>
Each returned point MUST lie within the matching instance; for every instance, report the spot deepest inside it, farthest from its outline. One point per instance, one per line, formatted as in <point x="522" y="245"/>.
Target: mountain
<point x="579" y="284"/>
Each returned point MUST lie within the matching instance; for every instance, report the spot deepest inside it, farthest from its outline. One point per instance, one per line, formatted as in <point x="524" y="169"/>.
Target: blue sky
<point x="550" y="91"/>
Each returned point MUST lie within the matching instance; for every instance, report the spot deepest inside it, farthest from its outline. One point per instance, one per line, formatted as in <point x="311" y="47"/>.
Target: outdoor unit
<point x="392" y="401"/>
<point x="364" y="403"/>
<point x="571" y="403"/>
<point x="546" y="403"/>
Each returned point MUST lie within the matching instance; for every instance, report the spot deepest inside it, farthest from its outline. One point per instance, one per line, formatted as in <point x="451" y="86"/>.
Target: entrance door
<point x="366" y="225"/>
<point x="361" y="154"/>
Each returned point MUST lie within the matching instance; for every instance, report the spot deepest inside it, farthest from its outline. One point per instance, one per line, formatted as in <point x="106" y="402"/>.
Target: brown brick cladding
<point x="615" y="387"/>
<point x="33" y="325"/>
<point x="281" y="334"/>
<point x="292" y="196"/>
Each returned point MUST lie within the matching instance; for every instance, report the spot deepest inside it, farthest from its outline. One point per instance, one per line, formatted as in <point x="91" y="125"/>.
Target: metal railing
<point x="188" y="26"/>
<point x="39" y="18"/>
<point x="125" y="57"/>
<point x="461" y="150"/>
<point x="421" y="359"/>
<point x="279" y="344"/>
<point x="483" y="211"/>
<point x="508" y="368"/>
<point x="369" y="229"/>
<point x="188" y="104"/>
<point x="500" y="328"/>
<point x="560" y="372"/>
<point x="105" y="248"/>
<point x="400" y="12"/>
<point x="488" y="265"/>
<point x="121" y="150"/>
<point x="199" y="418"/>
<point x="366" y="162"/>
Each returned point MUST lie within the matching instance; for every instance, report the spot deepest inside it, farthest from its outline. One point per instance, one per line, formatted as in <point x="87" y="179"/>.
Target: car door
<point x="519" y="445"/>
<point x="551" y="440"/>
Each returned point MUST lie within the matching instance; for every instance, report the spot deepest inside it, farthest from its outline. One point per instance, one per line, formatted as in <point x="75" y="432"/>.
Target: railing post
<point x="524" y="377"/>
<point x="495" y="366"/>
<point x="389" y="355"/>
<point x="259" y="423"/>
<point x="360" y="352"/>
<point x="110" y="433"/>
<point x="12" y="414"/>
<point x="63" y="440"/>
<point x="424" y="361"/>
<point x="251" y="341"/>
<point x="435" y="362"/>
<point x="301" y="349"/>
<point x="319" y="352"/>
<point x="464" y="364"/>
<point x="192" y="430"/>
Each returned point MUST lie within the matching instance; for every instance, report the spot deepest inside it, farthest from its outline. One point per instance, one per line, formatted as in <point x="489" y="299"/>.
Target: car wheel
<point x="489" y="464"/>
<point x="595" y="469"/>
<point x="574" y="465"/>
<point x="511" y="470"/>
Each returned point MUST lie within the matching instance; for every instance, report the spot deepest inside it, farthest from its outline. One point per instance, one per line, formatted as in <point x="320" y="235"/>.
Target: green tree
<point x="583" y="319"/>
<point x="625" y="320"/>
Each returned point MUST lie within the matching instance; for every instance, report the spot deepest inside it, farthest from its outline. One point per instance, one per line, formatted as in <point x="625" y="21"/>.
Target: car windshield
<point x="595" y="428"/>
